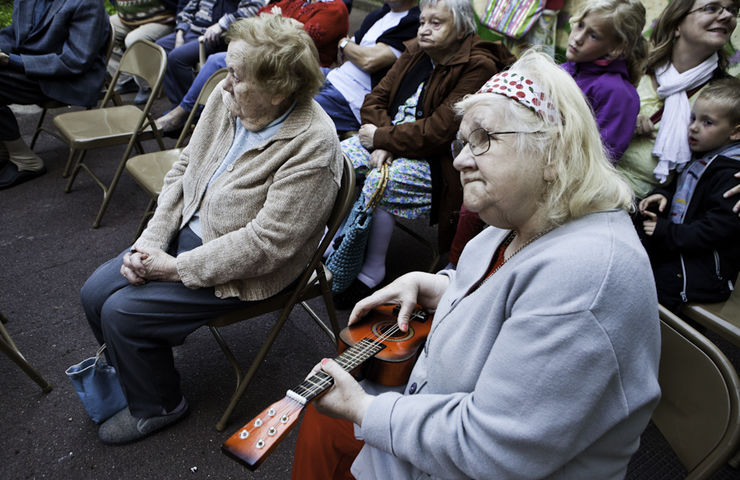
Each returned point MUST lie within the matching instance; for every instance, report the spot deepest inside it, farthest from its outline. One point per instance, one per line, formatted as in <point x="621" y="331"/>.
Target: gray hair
<point x="463" y="16"/>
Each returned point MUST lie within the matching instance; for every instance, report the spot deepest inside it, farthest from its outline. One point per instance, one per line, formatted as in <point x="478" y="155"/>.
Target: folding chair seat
<point x="52" y="104"/>
<point x="118" y="125"/>
<point x="314" y="281"/>
<point x="7" y="346"/>
<point x="723" y="318"/>
<point x="149" y="169"/>
<point x="700" y="395"/>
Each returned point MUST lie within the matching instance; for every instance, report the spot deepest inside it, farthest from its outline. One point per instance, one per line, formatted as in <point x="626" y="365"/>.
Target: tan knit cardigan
<point x="264" y="216"/>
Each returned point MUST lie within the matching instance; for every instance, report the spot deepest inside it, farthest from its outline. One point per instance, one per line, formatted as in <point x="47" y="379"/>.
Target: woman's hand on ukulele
<point x="406" y="291"/>
<point x="345" y="399"/>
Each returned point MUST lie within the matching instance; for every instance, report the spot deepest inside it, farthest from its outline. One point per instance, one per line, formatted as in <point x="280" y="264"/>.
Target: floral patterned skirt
<point x="408" y="193"/>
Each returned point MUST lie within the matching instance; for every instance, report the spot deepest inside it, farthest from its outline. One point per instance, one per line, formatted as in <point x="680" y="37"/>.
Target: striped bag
<point x="512" y="18"/>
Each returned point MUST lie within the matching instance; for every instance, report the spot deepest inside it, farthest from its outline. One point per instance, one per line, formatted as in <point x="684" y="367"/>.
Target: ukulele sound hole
<point x="390" y="331"/>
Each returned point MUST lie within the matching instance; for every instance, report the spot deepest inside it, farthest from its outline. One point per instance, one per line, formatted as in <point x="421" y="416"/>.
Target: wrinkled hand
<point x="652" y="199"/>
<point x="649" y="223"/>
<point x="407" y="291"/>
<point x="4" y="59"/>
<point x="734" y="191"/>
<point x="133" y="268"/>
<point x="179" y="38"/>
<point x="644" y="127"/>
<point x="379" y="157"/>
<point x="367" y="132"/>
<point x="345" y="399"/>
<point x="153" y="264"/>
<point x="213" y="33"/>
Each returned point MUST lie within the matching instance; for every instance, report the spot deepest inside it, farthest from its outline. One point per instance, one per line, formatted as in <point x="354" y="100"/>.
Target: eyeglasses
<point x="715" y="9"/>
<point x="479" y="141"/>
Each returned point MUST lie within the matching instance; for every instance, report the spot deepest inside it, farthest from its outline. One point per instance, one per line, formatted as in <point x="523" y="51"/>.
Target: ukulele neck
<point x="350" y="359"/>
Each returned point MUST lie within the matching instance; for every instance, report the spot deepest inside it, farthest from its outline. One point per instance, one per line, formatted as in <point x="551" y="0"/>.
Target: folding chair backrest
<point x="202" y="99"/>
<point x="144" y="59"/>
<point x="698" y="411"/>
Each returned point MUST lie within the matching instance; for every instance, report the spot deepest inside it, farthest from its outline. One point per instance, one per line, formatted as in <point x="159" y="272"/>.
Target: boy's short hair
<point x="726" y="92"/>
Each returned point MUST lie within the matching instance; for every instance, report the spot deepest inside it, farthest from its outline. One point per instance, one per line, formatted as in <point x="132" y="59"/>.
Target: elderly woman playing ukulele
<point x="542" y="358"/>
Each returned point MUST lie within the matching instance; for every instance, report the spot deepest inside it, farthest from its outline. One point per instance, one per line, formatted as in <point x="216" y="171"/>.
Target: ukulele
<point x="392" y="354"/>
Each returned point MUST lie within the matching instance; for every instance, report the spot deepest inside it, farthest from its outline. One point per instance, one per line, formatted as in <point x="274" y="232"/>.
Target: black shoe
<point x="129" y="86"/>
<point x="354" y="293"/>
<point x="10" y="176"/>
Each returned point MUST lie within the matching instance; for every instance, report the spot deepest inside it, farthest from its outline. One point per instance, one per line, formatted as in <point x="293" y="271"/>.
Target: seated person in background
<point x="694" y="244"/>
<point x="408" y="122"/>
<point x="140" y="20"/>
<point x="606" y="51"/>
<point x="237" y="219"/>
<point x="542" y="361"/>
<point x="53" y="50"/>
<point x="324" y="21"/>
<point x="687" y="51"/>
<point x="365" y="58"/>
<point x="207" y="18"/>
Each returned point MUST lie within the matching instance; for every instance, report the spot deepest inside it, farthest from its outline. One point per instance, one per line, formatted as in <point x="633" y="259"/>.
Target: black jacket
<point x="699" y="259"/>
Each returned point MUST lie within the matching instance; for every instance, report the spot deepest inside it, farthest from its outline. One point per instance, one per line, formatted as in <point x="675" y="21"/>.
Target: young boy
<point x="694" y="246"/>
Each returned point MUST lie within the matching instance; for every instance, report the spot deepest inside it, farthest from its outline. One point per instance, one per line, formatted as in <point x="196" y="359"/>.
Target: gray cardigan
<point x="262" y="218"/>
<point x="548" y="370"/>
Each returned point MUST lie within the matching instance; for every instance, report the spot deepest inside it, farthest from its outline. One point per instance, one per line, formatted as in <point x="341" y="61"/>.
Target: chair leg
<point x="38" y="128"/>
<point x="8" y="347"/>
<point x="242" y="386"/>
<point x="145" y="219"/>
<point x="77" y="165"/>
<point x="70" y="162"/>
<point x="108" y="191"/>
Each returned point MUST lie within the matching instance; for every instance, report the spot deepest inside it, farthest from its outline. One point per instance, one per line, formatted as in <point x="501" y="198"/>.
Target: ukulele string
<point x="323" y="383"/>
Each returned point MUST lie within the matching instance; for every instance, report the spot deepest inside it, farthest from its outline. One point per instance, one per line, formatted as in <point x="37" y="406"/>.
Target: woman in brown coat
<point x="408" y="122"/>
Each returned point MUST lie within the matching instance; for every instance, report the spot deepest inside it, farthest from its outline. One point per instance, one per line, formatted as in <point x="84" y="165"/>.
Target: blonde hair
<point x="627" y="18"/>
<point x="281" y="58"/>
<point x="585" y="182"/>
<point x="725" y="92"/>
<point x="663" y="36"/>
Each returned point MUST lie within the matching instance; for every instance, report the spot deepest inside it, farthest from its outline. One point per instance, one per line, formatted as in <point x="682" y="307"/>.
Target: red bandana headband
<point x="524" y="91"/>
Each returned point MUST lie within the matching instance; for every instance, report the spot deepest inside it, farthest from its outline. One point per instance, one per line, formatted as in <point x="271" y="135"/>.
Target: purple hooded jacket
<point x="613" y="98"/>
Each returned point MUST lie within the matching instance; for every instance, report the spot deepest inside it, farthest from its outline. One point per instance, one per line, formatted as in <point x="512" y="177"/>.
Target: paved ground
<point x="48" y="249"/>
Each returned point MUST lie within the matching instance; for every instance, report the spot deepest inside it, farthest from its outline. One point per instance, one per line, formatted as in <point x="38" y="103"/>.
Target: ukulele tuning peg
<point x="243" y="434"/>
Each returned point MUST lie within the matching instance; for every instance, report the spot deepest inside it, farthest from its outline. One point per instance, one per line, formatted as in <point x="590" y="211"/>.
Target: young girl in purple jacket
<point x="606" y="51"/>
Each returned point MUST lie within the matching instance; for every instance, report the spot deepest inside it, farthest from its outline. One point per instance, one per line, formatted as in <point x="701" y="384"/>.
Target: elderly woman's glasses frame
<point x="715" y="9"/>
<point x="479" y="141"/>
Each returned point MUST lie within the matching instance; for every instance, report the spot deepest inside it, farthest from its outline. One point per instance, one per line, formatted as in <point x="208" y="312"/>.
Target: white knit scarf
<point x="671" y="144"/>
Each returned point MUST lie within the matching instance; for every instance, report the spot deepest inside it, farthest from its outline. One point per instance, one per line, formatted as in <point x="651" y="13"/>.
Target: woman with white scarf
<point x="687" y="52"/>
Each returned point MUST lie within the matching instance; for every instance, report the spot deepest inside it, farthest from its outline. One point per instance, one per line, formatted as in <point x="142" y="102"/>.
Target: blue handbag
<point x="348" y="256"/>
<point x="97" y="385"/>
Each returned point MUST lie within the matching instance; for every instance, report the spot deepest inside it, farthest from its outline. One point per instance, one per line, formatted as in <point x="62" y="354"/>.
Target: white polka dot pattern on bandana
<point x="524" y="91"/>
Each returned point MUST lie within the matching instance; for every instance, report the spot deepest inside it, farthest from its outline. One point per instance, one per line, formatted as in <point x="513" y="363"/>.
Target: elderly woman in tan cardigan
<point x="237" y="219"/>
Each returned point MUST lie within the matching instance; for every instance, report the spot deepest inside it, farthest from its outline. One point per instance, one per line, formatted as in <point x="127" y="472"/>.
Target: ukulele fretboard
<point x="348" y="360"/>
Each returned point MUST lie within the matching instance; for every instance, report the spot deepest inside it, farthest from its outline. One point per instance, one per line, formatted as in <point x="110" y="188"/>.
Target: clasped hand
<point x="650" y="218"/>
<point x="144" y="264"/>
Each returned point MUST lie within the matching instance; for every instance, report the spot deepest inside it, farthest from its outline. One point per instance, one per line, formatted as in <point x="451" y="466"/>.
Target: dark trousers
<point x="180" y="62"/>
<point x="140" y="325"/>
<point x="16" y="87"/>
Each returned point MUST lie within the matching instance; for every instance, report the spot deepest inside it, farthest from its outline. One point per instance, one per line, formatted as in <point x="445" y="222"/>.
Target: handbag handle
<point x="379" y="190"/>
<point x="100" y="352"/>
